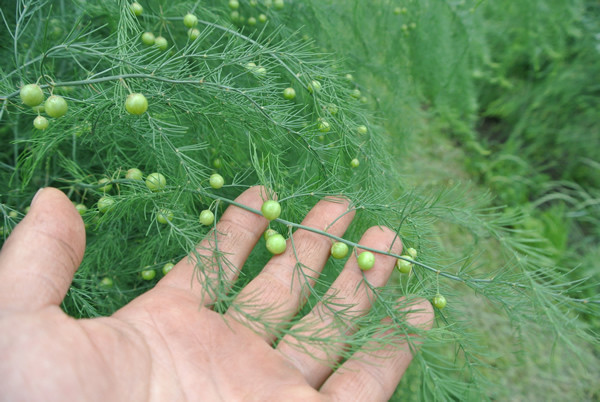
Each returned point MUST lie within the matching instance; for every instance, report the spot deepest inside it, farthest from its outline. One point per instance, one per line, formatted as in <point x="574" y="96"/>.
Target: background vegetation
<point x="483" y="129"/>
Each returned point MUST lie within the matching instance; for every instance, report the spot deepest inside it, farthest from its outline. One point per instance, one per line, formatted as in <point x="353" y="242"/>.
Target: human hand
<point x="168" y="344"/>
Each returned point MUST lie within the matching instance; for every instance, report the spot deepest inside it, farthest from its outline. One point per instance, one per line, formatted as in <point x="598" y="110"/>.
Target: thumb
<point x="39" y="259"/>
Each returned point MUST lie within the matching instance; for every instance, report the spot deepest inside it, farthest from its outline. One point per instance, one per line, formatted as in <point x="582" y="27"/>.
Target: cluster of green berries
<point x="55" y="106"/>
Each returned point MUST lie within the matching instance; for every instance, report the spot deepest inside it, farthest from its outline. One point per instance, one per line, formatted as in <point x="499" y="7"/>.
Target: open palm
<point x="168" y="344"/>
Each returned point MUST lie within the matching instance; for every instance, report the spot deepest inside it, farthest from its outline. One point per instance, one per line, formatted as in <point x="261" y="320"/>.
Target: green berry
<point x="190" y="20"/>
<point x="106" y="282"/>
<point x="354" y="163"/>
<point x="217" y="163"/>
<point x="251" y="21"/>
<point x="134" y="174"/>
<point x="148" y="274"/>
<point x="136" y="103"/>
<point x="164" y="216"/>
<point x="216" y="181"/>
<point x="81" y="208"/>
<point x="324" y="126"/>
<point x="40" y="122"/>
<point x="193" y="34"/>
<point x="32" y="94"/>
<point x="412" y="252"/>
<point x="362" y="129"/>
<point x="136" y="8"/>
<point x="276" y="244"/>
<point x="105" y="204"/>
<point x="314" y="86"/>
<point x="405" y="267"/>
<point x="262" y="18"/>
<point x="234" y="4"/>
<point x="55" y="106"/>
<point x="105" y="185"/>
<point x="278" y="4"/>
<point x="339" y="250"/>
<point x="207" y="217"/>
<point x="355" y="93"/>
<point x="439" y="301"/>
<point x="161" y="43"/>
<point x="366" y="260"/>
<point x="148" y="38"/>
<point x="167" y="268"/>
<point x="271" y="209"/>
<point x="156" y="182"/>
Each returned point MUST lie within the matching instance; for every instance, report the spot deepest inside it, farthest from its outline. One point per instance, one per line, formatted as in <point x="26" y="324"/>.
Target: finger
<point x="373" y="373"/>
<point x="220" y="256"/>
<point x="350" y="296"/>
<point x="39" y="259"/>
<point x="276" y="294"/>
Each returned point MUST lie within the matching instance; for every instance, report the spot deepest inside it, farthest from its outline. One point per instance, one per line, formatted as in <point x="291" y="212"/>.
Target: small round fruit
<point x="234" y="4"/>
<point x="354" y="163"/>
<point x="405" y="267"/>
<point x="164" y="216"/>
<point x="439" y="301"/>
<point x="40" y="122"/>
<point x="136" y="8"/>
<point x="314" y="86"/>
<point x="105" y="185"/>
<point x="271" y="209"/>
<point x="105" y="204"/>
<point x="362" y="129"/>
<point x="251" y="21"/>
<point x="260" y="71"/>
<point x="217" y="163"/>
<point x="278" y="4"/>
<point x="339" y="250"/>
<point x="32" y="94"/>
<point x="156" y="182"/>
<point x="161" y="43"/>
<point x="235" y="16"/>
<point x="276" y="244"/>
<point x="269" y="232"/>
<point x="193" y="34"/>
<point x="106" y="282"/>
<point x="289" y="93"/>
<point x="81" y="208"/>
<point x="262" y="18"/>
<point x="148" y="274"/>
<point x="366" y="260"/>
<point x="206" y="217"/>
<point x="136" y="103"/>
<point x="190" y="20"/>
<point x="134" y="174"/>
<point x="55" y="106"/>
<point x="216" y="181"/>
<point x="167" y="268"/>
<point x="324" y="126"/>
<point x="412" y="252"/>
<point x="355" y="93"/>
<point x="148" y="38"/>
<point x="331" y="108"/>
<point x="349" y="77"/>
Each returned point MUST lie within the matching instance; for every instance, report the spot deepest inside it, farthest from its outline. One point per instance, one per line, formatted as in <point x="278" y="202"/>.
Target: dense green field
<point x="480" y="148"/>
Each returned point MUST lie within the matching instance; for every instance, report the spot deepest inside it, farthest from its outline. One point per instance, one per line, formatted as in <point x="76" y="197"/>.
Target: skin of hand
<point x="168" y="344"/>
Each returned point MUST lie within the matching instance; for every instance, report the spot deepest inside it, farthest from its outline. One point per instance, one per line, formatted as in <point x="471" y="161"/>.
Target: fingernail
<point x="36" y="196"/>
